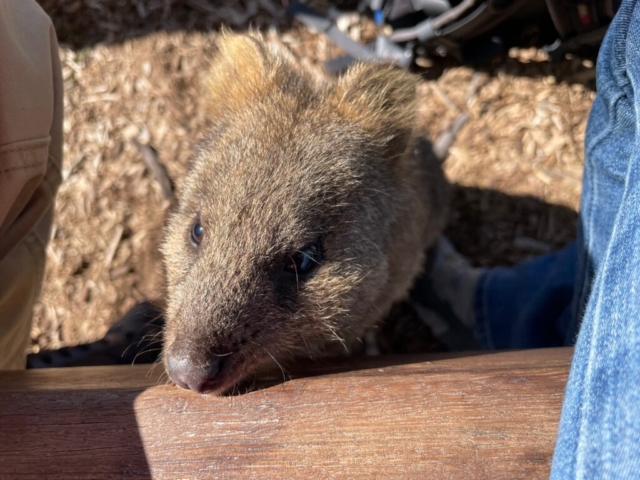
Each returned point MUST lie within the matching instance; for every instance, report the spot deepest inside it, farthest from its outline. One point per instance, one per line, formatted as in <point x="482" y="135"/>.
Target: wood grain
<point x="482" y="416"/>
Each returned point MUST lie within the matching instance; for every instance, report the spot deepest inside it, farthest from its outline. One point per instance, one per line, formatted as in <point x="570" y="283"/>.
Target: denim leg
<point x="529" y="305"/>
<point x="599" y="435"/>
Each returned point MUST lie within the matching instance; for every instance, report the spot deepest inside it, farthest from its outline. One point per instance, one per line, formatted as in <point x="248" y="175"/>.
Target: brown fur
<point x="287" y="162"/>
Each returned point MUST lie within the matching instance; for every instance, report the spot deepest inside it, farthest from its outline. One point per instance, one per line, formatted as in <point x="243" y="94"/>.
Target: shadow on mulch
<point x="84" y="23"/>
<point x="492" y="228"/>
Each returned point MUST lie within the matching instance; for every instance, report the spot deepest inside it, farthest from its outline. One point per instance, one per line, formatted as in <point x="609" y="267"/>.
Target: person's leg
<point x="528" y="305"/>
<point x="599" y="435"/>
<point x="30" y="156"/>
<point x="524" y="306"/>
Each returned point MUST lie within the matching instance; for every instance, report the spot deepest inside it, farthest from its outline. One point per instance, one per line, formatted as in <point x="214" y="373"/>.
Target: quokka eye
<point x="305" y="260"/>
<point x="197" y="232"/>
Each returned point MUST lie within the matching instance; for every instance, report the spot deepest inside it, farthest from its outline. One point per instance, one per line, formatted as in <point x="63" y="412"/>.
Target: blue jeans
<point x="590" y="291"/>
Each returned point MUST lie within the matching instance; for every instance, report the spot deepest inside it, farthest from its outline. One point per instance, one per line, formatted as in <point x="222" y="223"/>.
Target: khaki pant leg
<point x="31" y="112"/>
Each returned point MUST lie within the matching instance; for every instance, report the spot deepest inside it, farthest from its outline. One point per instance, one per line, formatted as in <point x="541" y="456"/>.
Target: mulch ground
<point x="133" y="75"/>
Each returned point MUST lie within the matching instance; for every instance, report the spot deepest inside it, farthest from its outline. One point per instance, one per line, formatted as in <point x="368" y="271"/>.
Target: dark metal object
<point x="381" y="49"/>
<point x="559" y="48"/>
<point x="468" y="29"/>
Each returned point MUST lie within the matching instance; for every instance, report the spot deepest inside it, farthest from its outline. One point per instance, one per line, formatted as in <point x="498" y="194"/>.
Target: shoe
<point x="444" y="296"/>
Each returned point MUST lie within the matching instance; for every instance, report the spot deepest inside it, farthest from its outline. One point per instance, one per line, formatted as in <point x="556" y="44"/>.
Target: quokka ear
<point x="381" y="98"/>
<point x="243" y="69"/>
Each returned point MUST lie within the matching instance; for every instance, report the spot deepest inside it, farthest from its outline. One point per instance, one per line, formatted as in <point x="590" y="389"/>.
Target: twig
<point x="444" y="98"/>
<point x="113" y="245"/>
<point x="442" y="145"/>
<point x="444" y="141"/>
<point x="154" y="165"/>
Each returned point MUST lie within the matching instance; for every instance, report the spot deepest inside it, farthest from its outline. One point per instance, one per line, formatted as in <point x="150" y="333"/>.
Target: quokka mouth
<point x="229" y="373"/>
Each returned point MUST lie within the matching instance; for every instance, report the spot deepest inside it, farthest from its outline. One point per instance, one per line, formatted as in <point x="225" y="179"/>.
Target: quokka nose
<point x="186" y="374"/>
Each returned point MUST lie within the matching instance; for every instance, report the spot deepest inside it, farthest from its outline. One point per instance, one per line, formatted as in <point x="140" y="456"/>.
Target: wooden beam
<point x="490" y="415"/>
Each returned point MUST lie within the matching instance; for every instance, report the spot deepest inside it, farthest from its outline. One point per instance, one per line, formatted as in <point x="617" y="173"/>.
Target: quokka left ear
<point x="244" y="68"/>
<point x="379" y="97"/>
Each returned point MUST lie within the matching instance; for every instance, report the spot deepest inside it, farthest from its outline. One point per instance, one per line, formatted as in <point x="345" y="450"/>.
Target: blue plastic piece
<point x="378" y="17"/>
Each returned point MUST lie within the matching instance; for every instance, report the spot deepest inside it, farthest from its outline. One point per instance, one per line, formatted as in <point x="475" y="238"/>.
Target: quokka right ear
<point x="379" y="97"/>
<point x="242" y="70"/>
